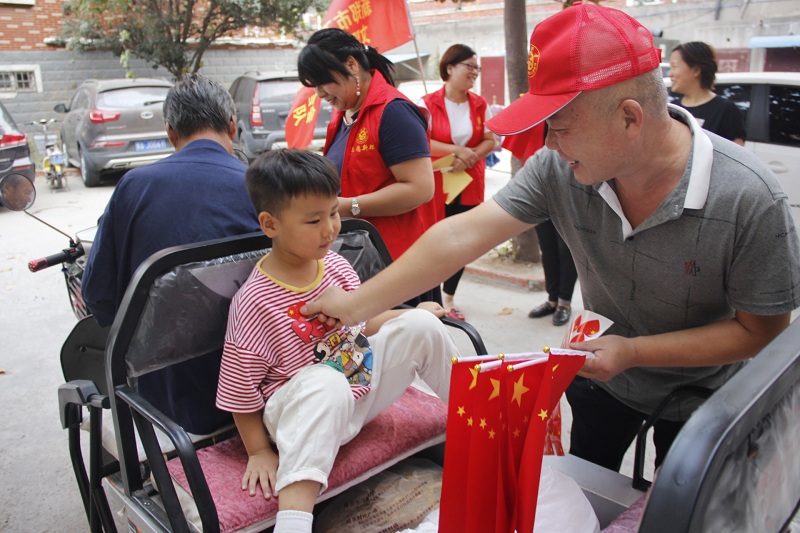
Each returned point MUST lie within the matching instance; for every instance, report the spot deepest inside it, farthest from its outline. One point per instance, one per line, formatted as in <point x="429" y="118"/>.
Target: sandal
<point x="455" y="314"/>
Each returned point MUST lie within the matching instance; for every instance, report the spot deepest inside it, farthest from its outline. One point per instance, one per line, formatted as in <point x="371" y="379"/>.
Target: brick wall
<point x="25" y="27"/>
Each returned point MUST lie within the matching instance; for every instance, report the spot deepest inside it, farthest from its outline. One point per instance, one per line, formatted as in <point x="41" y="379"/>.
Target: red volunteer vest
<point x="440" y="131"/>
<point x="363" y="169"/>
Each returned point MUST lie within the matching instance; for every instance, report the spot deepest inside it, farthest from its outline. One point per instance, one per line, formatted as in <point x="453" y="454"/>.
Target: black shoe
<point x="561" y="315"/>
<point x="542" y="310"/>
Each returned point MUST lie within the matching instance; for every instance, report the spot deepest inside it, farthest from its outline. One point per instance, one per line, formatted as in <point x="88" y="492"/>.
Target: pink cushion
<point x="414" y="422"/>
<point x="628" y="521"/>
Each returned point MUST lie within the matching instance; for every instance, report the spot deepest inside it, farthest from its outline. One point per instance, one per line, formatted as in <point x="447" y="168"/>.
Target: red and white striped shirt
<point x="268" y="341"/>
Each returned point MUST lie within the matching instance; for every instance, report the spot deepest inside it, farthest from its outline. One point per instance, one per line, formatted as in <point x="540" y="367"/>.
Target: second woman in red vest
<point x="457" y="129"/>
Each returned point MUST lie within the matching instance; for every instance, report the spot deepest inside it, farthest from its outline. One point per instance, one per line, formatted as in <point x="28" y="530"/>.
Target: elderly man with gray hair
<point x="196" y="194"/>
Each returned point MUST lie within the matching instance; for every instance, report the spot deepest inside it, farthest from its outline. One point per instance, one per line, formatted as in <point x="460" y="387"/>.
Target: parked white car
<point x="770" y="102"/>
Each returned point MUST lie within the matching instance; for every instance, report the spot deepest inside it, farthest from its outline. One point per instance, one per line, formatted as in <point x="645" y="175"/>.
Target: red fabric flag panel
<point x="302" y="119"/>
<point x="383" y="24"/>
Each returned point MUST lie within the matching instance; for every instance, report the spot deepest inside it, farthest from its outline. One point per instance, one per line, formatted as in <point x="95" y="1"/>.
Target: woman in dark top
<point x="693" y="69"/>
<point x="376" y="137"/>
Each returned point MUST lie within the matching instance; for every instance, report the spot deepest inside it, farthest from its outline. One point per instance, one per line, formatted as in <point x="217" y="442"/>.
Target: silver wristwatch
<point x="354" y="209"/>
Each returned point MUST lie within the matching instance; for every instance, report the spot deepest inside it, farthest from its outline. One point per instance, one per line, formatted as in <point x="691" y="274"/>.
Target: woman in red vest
<point x="376" y="137"/>
<point x="457" y="129"/>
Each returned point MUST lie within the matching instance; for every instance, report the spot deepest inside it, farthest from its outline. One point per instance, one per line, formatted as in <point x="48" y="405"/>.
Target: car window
<point x="737" y="93"/>
<point x="131" y="97"/>
<point x="278" y="90"/>
<point x="6" y="122"/>
<point x="784" y="115"/>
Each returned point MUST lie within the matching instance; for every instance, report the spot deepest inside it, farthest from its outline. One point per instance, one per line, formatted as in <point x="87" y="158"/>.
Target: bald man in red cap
<point x="682" y="238"/>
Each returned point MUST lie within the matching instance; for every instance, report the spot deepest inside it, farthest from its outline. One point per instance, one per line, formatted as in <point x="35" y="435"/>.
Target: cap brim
<point x="527" y="111"/>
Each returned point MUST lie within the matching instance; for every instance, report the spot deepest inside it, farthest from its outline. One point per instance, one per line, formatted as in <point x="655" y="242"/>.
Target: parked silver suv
<point x="115" y="125"/>
<point x="262" y="107"/>
<point x="770" y="103"/>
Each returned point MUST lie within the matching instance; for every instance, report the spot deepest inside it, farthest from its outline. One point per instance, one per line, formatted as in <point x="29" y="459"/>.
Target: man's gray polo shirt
<point x="723" y="240"/>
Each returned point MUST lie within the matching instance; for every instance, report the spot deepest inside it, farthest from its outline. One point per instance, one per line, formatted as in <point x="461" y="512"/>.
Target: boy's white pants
<point x="314" y="412"/>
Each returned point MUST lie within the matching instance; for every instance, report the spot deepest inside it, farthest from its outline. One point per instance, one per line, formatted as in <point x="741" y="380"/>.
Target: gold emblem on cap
<point x="361" y="138"/>
<point x="533" y="61"/>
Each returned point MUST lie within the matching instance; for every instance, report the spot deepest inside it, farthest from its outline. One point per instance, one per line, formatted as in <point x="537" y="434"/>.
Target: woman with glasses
<point x="376" y="137"/>
<point x="458" y="116"/>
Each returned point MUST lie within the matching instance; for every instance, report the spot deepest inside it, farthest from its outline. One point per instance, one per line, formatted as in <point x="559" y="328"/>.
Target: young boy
<point x="269" y="379"/>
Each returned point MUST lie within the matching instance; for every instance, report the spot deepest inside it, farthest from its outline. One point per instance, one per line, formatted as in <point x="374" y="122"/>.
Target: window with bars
<point x="19" y="80"/>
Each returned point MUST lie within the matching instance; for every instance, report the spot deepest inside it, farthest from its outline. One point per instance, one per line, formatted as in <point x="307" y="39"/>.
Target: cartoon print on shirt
<point x="348" y="351"/>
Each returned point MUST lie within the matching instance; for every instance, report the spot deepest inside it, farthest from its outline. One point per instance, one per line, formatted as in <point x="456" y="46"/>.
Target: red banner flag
<point x="525" y="144"/>
<point x="302" y="119"/>
<point x="383" y="25"/>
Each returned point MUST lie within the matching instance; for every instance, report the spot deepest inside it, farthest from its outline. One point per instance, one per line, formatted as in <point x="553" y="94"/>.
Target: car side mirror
<point x="60" y="108"/>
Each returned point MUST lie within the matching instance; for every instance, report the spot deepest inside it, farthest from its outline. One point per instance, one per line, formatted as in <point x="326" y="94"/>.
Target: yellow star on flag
<point x="495" y="388"/>
<point x="469" y="421"/>
<point x="519" y="390"/>
<point x="483" y="423"/>
<point x="475" y="373"/>
<point x="491" y="434"/>
<point x="461" y="410"/>
<point x="542" y="414"/>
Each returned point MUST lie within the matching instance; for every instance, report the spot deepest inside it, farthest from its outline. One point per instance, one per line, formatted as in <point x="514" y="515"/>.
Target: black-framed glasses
<point x="471" y="67"/>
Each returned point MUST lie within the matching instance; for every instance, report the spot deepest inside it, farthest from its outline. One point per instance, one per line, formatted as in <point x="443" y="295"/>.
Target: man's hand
<point x="433" y="307"/>
<point x="262" y="468"/>
<point x="613" y="354"/>
<point x="332" y="308"/>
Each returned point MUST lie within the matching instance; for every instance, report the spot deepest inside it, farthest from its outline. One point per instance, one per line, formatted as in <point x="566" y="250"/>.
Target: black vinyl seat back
<point x="735" y="465"/>
<point x="185" y="310"/>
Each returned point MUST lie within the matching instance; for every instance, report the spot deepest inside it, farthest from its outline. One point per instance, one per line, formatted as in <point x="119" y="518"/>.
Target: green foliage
<point x="173" y="34"/>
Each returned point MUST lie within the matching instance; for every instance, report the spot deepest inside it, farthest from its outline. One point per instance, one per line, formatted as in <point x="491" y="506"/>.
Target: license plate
<point x="57" y="159"/>
<point x="155" y="144"/>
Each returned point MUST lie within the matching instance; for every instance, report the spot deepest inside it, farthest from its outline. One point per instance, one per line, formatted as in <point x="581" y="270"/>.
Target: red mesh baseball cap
<point x="582" y="48"/>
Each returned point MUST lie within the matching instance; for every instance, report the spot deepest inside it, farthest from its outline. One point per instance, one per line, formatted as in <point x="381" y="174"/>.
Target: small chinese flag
<point x="302" y="119"/>
<point x="460" y="421"/>
<point x="383" y="25"/>
<point x="585" y="326"/>
<point x="557" y="373"/>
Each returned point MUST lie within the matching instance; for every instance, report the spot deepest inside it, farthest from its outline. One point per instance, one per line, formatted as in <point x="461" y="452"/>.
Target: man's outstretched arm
<point x="440" y="252"/>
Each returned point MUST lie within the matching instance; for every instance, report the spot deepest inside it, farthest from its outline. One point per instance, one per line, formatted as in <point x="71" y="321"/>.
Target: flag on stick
<point x="383" y="25"/>
<point x="585" y="326"/>
<point x="302" y="119"/>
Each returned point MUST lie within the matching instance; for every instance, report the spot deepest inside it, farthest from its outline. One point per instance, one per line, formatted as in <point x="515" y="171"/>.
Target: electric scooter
<point x="53" y="161"/>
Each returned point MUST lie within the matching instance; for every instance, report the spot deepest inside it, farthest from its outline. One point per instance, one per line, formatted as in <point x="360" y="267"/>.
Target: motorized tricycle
<point x="735" y="465"/>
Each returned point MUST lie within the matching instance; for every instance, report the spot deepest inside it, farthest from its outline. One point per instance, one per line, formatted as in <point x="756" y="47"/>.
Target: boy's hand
<point x="433" y="307"/>
<point x="262" y="468"/>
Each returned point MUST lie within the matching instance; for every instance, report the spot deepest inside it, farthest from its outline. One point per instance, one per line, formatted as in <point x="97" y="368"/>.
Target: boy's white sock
<point x="293" y="522"/>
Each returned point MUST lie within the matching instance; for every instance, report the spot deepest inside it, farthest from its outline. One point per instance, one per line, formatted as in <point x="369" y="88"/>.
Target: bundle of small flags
<point x="498" y="415"/>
